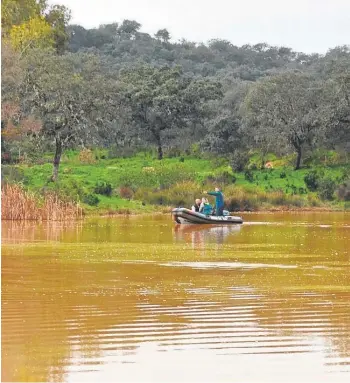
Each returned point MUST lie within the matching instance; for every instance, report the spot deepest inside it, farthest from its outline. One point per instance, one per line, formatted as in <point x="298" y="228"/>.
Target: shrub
<point x="12" y="174"/>
<point x="313" y="200"/>
<point x="67" y="170"/>
<point x="103" y="188"/>
<point x="283" y="175"/>
<point x="249" y="176"/>
<point x="86" y="156"/>
<point x="239" y="160"/>
<point x="312" y="180"/>
<point x="71" y="188"/>
<point x="126" y="192"/>
<point x="90" y="199"/>
<point x="179" y="194"/>
<point x="345" y="175"/>
<point x="326" y="188"/>
<point x="100" y="154"/>
<point x="224" y="178"/>
<point x="294" y="189"/>
<point x="172" y="153"/>
<point x="195" y="150"/>
<point x="238" y="199"/>
<point x="219" y="162"/>
<point x="343" y="191"/>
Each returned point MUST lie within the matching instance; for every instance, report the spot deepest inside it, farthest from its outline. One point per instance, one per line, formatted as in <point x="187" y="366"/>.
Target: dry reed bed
<point x="18" y="204"/>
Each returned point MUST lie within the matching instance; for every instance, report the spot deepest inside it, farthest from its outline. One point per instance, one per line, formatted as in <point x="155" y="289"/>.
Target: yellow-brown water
<point x="138" y="299"/>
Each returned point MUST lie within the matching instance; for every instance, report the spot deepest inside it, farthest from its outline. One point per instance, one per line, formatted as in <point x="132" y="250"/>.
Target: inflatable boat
<point x="183" y="215"/>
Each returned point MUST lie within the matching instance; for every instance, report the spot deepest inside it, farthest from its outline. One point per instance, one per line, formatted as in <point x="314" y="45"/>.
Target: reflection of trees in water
<point x="72" y="309"/>
<point x="31" y="231"/>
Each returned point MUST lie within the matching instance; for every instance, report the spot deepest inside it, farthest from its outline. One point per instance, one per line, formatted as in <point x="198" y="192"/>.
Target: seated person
<point x="196" y="205"/>
<point x="205" y="207"/>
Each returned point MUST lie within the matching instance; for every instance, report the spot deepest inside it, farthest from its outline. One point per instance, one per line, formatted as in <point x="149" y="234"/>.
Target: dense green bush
<point x="239" y="160"/>
<point x="249" y="176"/>
<point x="103" y="188"/>
<point x="72" y="188"/>
<point x="326" y="188"/>
<point x="90" y="199"/>
<point x="312" y="180"/>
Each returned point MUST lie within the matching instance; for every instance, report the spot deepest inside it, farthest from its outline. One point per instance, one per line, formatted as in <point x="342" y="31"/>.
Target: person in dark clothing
<point x="219" y="201"/>
<point x="196" y="205"/>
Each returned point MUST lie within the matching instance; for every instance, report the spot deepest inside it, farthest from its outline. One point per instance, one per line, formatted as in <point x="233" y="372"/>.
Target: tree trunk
<point x="160" y="152"/>
<point x="297" y="165"/>
<point x="263" y="155"/>
<point x="160" y="149"/>
<point x="56" y="160"/>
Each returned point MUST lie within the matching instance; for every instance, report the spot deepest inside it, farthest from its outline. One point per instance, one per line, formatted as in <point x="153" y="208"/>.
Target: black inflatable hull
<point x="182" y="215"/>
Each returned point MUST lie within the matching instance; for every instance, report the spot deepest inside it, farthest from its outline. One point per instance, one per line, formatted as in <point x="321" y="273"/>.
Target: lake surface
<point x="140" y="299"/>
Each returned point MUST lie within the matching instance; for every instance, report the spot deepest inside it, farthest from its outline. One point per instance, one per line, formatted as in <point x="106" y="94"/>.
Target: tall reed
<point x="18" y="204"/>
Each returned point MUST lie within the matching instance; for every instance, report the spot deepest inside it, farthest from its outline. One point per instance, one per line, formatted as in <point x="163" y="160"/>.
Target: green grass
<point x="176" y="181"/>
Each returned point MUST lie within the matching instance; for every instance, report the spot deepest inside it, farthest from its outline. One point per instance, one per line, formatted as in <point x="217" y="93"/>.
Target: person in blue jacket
<point x="219" y="201"/>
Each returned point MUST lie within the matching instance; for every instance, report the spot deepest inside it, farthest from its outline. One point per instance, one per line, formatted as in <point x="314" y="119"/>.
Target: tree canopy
<point x="118" y="85"/>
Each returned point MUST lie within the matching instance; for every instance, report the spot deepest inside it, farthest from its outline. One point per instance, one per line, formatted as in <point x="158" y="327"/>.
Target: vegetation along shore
<point x="113" y="120"/>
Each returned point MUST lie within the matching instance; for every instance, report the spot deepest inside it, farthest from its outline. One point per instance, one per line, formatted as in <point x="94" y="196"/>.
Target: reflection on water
<point x="198" y="235"/>
<point x="130" y="299"/>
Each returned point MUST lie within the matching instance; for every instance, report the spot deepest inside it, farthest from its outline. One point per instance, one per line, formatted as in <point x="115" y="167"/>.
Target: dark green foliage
<point x="127" y="92"/>
<point x="248" y="175"/>
<point x="71" y="188"/>
<point x="239" y="160"/>
<point x="312" y="180"/>
<point x="283" y="174"/>
<point x="241" y="204"/>
<point x="343" y="191"/>
<point x="162" y="100"/>
<point x="90" y="199"/>
<point x="222" y="178"/>
<point x="326" y="188"/>
<point x="103" y="188"/>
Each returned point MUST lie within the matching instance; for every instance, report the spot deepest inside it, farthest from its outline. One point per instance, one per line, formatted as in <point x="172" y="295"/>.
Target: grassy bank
<point x="143" y="184"/>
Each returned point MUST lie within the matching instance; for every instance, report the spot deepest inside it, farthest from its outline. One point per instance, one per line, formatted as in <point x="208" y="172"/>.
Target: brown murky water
<point x="138" y="299"/>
